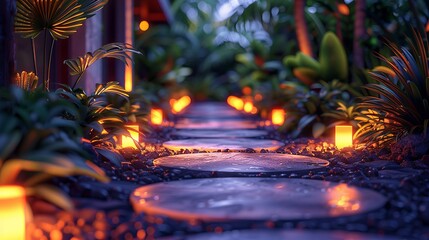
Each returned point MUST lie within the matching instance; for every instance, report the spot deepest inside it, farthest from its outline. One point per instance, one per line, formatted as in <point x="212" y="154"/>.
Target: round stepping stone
<point x="283" y="234"/>
<point x="214" y="144"/>
<point x="242" y="162"/>
<point x="253" y="199"/>
<point x="212" y="133"/>
<point x="215" y="124"/>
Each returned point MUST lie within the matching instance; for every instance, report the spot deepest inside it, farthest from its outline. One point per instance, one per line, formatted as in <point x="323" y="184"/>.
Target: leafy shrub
<point x="39" y="144"/>
<point x="100" y="120"/>
<point x="313" y="110"/>
<point x="400" y="104"/>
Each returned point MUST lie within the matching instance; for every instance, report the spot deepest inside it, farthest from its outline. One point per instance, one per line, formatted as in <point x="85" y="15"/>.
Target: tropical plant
<point x="58" y="18"/>
<point x="100" y="120"/>
<point x="40" y="145"/>
<point x="401" y="103"/>
<point x="332" y="63"/>
<point x="26" y="81"/>
<point x="79" y="65"/>
<point x="313" y="111"/>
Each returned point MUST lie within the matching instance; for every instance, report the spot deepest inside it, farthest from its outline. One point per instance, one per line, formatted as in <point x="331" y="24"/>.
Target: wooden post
<point x="7" y="46"/>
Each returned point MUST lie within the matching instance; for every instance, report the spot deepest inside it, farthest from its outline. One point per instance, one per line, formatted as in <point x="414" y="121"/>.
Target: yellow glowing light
<point x="235" y="102"/>
<point x="278" y="116"/>
<point x="179" y="105"/>
<point x="248" y="106"/>
<point x="12" y="212"/>
<point x="129" y="141"/>
<point x="343" y="136"/>
<point x="144" y="25"/>
<point x="156" y="116"/>
<point x="129" y="21"/>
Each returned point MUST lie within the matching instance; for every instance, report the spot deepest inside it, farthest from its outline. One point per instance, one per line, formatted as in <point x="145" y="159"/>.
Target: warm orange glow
<point x="343" y="9"/>
<point x="235" y="102"/>
<point x="258" y="97"/>
<point x="128" y="78"/>
<point x="144" y="25"/>
<point x="254" y="110"/>
<point x="343" y="199"/>
<point x="278" y="116"/>
<point x="156" y="116"/>
<point x="178" y="105"/>
<point x="247" y="91"/>
<point x="343" y="136"/>
<point x="12" y="212"/>
<point x="248" y="106"/>
<point x="129" y="141"/>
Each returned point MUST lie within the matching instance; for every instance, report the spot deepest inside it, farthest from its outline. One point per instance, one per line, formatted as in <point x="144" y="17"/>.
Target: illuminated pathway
<point x="250" y="184"/>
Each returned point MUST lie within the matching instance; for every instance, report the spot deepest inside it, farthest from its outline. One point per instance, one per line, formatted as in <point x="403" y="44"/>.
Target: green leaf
<point x="318" y="129"/>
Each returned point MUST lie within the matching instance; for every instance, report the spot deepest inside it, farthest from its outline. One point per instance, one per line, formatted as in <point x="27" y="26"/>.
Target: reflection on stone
<point x="343" y="198"/>
<point x="259" y="199"/>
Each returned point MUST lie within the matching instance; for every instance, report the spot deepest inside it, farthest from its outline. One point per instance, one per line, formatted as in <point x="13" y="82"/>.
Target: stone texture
<point x="215" y="133"/>
<point x="214" y="144"/>
<point x="242" y="162"/>
<point x="257" y="199"/>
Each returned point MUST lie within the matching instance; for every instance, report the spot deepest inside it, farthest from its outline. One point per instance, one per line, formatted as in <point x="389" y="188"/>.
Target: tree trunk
<point x="7" y="48"/>
<point x="359" y="33"/>
<point x="302" y="34"/>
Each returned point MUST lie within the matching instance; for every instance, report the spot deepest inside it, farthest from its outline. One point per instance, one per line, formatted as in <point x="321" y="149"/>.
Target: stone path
<point x="285" y="234"/>
<point x="215" y="144"/>
<point x="216" y="127"/>
<point x="253" y="199"/>
<point x="242" y="162"/>
<point x="215" y="133"/>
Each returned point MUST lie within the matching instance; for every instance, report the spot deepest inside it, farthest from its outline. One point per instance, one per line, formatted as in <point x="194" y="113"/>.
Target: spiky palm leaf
<point x="118" y="51"/>
<point x="26" y="80"/>
<point x="402" y="98"/>
<point x="61" y="18"/>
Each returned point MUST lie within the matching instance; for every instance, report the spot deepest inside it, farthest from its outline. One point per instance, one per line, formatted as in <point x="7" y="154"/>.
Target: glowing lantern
<point x="235" y="102"/>
<point x="278" y="116"/>
<point x="12" y="212"/>
<point x="129" y="141"/>
<point x="144" y="26"/>
<point x="178" y="105"/>
<point x="248" y="106"/>
<point x="343" y="136"/>
<point x="156" y="116"/>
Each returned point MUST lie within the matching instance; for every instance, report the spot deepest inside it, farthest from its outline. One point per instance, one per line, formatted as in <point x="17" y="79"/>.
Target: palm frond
<point x="61" y="18"/>
<point x="120" y="51"/>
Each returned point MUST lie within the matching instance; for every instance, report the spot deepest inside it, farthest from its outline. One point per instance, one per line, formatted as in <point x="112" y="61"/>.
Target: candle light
<point x="178" y="105"/>
<point x="343" y="136"/>
<point x="235" y="102"/>
<point x="129" y="141"/>
<point x="248" y="106"/>
<point x="12" y="212"/>
<point x="278" y="116"/>
<point x="156" y="116"/>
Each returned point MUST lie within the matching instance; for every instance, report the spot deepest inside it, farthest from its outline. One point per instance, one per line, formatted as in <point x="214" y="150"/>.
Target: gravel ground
<point x="103" y="210"/>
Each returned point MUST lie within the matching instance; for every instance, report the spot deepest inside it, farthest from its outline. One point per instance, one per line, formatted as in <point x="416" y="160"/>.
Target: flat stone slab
<point x="210" y="110"/>
<point x="214" y="133"/>
<point x="242" y="162"/>
<point x="214" y="144"/>
<point x="187" y="123"/>
<point x="283" y="234"/>
<point x="253" y="199"/>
